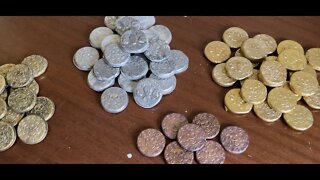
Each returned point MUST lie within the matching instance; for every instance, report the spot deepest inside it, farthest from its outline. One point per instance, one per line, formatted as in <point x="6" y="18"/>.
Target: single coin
<point x="239" y="68"/>
<point x="309" y="69"/>
<point x="97" y="35"/>
<point x="134" y="41"/>
<point x="104" y="71"/>
<point x="158" y="51"/>
<point x="209" y="123"/>
<point x="145" y="21"/>
<point x="163" y="32"/>
<point x="110" y="21"/>
<point x="22" y="100"/>
<point x="211" y="153"/>
<point x="97" y="85"/>
<point x="292" y="59"/>
<point x="126" y="23"/>
<point x="282" y="100"/>
<point x="3" y="84"/>
<point x="303" y="83"/>
<point x="272" y="73"/>
<point x="217" y="52"/>
<point x="5" y="68"/>
<point x="289" y="44"/>
<point x="32" y="129"/>
<point x="314" y="100"/>
<point x="12" y="117"/>
<point x="44" y="108"/>
<point x="255" y="76"/>
<point x="36" y="63"/>
<point x="3" y="108"/>
<point x="114" y="38"/>
<point x="126" y="84"/>
<point x="220" y="76"/>
<point x="234" y="102"/>
<point x="191" y="137"/>
<point x="167" y="85"/>
<point x="19" y="76"/>
<point x="270" y="42"/>
<point x="287" y="86"/>
<point x="253" y="91"/>
<point x="300" y="118"/>
<point x="151" y="142"/>
<point x="266" y="113"/>
<point x="171" y="123"/>
<point x="163" y="69"/>
<point x="85" y="58"/>
<point x="313" y="57"/>
<point x="181" y="61"/>
<point x="147" y="93"/>
<point x="254" y="49"/>
<point x="235" y="36"/>
<point x="8" y="136"/>
<point x="175" y="154"/>
<point x="234" y="139"/>
<point x="136" y="68"/>
<point x="151" y="35"/>
<point x="114" y="100"/>
<point x="115" y="56"/>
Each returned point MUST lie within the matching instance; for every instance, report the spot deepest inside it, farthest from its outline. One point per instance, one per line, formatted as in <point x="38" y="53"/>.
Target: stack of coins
<point x="19" y="104"/>
<point x="273" y="77"/>
<point x="136" y="52"/>
<point x="191" y="141"/>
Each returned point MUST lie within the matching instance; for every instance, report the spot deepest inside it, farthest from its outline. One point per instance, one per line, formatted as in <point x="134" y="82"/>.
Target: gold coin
<point x="282" y="100"/>
<point x="303" y="83"/>
<point x="292" y="59"/>
<point x="220" y="76"/>
<point x="255" y="75"/>
<point x="234" y="102"/>
<point x="37" y="63"/>
<point x="12" y="117"/>
<point x="270" y="42"/>
<point x="309" y="69"/>
<point x="253" y="91"/>
<point x="20" y="75"/>
<point x="3" y="108"/>
<point x="22" y="100"/>
<point x="4" y="69"/>
<point x="44" y="108"/>
<point x="239" y="68"/>
<point x="217" y="51"/>
<point x="238" y="53"/>
<point x="33" y="87"/>
<point x="300" y="118"/>
<point x="313" y="57"/>
<point x="266" y="113"/>
<point x="314" y="100"/>
<point x="272" y="58"/>
<point x="4" y="95"/>
<point x="254" y="49"/>
<point x="3" y="84"/>
<point x="235" y="36"/>
<point x="8" y="136"/>
<point x="289" y="44"/>
<point x="287" y="86"/>
<point x="272" y="73"/>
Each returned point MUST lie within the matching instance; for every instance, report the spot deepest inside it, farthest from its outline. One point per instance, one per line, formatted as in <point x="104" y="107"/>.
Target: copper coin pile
<point x="273" y="77"/>
<point x="192" y="140"/>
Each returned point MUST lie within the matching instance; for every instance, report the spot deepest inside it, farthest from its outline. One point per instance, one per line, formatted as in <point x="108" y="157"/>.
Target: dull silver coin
<point x="163" y="32"/>
<point x="145" y="21"/>
<point x="97" y="35"/>
<point x="151" y="35"/>
<point x="168" y="85"/>
<point x="110" y="21"/>
<point x="126" y="84"/>
<point x="147" y="93"/>
<point x="125" y="23"/>
<point x="158" y="51"/>
<point x="104" y="71"/>
<point x="136" y="68"/>
<point x="181" y="61"/>
<point x="97" y="85"/>
<point x="114" y="100"/>
<point x="134" y="41"/>
<point x="163" y="69"/>
<point x="85" y="58"/>
<point x="115" y="55"/>
<point x="114" y="38"/>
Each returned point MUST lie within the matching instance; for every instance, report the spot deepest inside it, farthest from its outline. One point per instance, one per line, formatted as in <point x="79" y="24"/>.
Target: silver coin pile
<point x="136" y="54"/>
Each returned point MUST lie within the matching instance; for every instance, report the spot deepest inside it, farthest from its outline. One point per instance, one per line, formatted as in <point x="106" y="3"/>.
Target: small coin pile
<point x="273" y="77"/>
<point x="136" y="52"/>
<point x="192" y="140"/>
<point x="19" y="104"/>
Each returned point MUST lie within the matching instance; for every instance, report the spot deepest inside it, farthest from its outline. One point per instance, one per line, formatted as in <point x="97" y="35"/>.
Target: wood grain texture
<point x="82" y="132"/>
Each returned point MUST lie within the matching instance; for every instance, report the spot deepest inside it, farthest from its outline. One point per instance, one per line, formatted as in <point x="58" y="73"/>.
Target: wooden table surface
<point x="82" y="132"/>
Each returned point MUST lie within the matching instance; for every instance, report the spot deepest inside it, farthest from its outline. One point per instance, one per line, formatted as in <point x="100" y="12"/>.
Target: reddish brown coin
<point x="175" y="154"/>
<point x="234" y="139"/>
<point x="209" y="123"/>
<point x="151" y="142"/>
<point x="211" y="153"/>
<point x="191" y="137"/>
<point x="171" y="123"/>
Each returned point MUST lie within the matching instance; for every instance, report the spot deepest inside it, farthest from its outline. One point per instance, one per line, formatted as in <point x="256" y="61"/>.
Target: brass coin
<point x="309" y="69"/>
<point x="3" y="84"/>
<point x="3" y="108"/>
<point x="254" y="49"/>
<point x="4" y="69"/>
<point x="191" y="137"/>
<point x="21" y="100"/>
<point x="209" y="123"/>
<point x="273" y="58"/>
<point x="211" y="153"/>
<point x="44" y="108"/>
<point x="287" y="86"/>
<point x="289" y="44"/>
<point x="12" y="117"/>
<point x="282" y="100"/>
<point x="314" y="100"/>
<point x="239" y="68"/>
<point x="234" y="139"/>
<point x="20" y="75"/>
<point x="272" y="73"/>
<point x="175" y="154"/>
<point x="37" y="63"/>
<point x="313" y="57"/>
<point x="217" y="52"/>
<point x="266" y="113"/>
<point x="255" y="75"/>
<point x="234" y="102"/>
<point x="171" y="123"/>
<point x="32" y="129"/>
<point x="151" y="142"/>
<point x="253" y="91"/>
<point x="303" y="83"/>
<point x="300" y="118"/>
<point x="220" y="76"/>
<point x="8" y="136"/>
<point x="33" y="87"/>
<point x="292" y="59"/>
<point x="4" y="94"/>
<point x="235" y="36"/>
<point x="270" y="42"/>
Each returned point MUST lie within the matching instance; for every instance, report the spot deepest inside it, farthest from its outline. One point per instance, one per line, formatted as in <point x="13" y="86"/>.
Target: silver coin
<point x="114" y="100"/>
<point x="167" y="85"/>
<point x="145" y="21"/>
<point x="135" y="69"/>
<point x="110" y="21"/>
<point x="114" y="38"/>
<point x="163" y="69"/>
<point x="158" y="51"/>
<point x="115" y="55"/>
<point x="85" y="58"/>
<point x="134" y="41"/>
<point x="163" y="32"/>
<point x="98" y="85"/>
<point x="180" y="59"/>
<point x="125" y="23"/>
<point x="97" y="35"/>
<point x="147" y="93"/>
<point x="151" y="35"/>
<point x="104" y="71"/>
<point x="126" y="84"/>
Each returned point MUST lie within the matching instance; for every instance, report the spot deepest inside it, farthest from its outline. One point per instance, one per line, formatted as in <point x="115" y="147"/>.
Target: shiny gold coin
<point x="238" y="53"/>
<point x="266" y="113"/>
<point x="253" y="91"/>
<point x="234" y="102"/>
<point x="19" y="76"/>
<point x="313" y="57"/>
<point x="234" y="37"/>
<point x="314" y="100"/>
<point x="289" y="44"/>
<point x="4" y="95"/>
<point x="270" y="42"/>
<point x="273" y="58"/>
<point x="3" y="84"/>
<point x="44" y="108"/>
<point x="254" y="49"/>
<point x="300" y="118"/>
<point x="8" y="136"/>
<point x="12" y="117"/>
<point x="282" y="100"/>
<point x="309" y="69"/>
<point x="272" y="73"/>
<point x="220" y="76"/>
<point x="22" y="100"/>
<point x="4" y="69"/>
<point x="37" y="63"/>
<point x="303" y="83"/>
<point x="292" y="59"/>
<point x="3" y="108"/>
<point x="239" y="68"/>
<point x="217" y="51"/>
<point x="255" y="75"/>
<point x="33" y="87"/>
<point x="287" y="86"/>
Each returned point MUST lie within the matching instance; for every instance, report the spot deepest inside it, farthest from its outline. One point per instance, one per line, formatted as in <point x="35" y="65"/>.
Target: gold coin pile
<point x="19" y="105"/>
<point x="273" y="77"/>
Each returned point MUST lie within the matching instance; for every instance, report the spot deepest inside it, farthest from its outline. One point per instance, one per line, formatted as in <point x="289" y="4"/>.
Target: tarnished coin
<point x="97" y="85"/>
<point x="282" y="100"/>
<point x="255" y="76"/>
<point x="235" y="36"/>
<point x="234" y="102"/>
<point x="163" y="69"/>
<point x="151" y="142"/>
<point x="175" y="154"/>
<point x="289" y="44"/>
<point x="287" y="86"/>
<point x="8" y="136"/>
<point x="136" y="68"/>
<point x="44" y="108"/>
<point x="239" y="68"/>
<point x="253" y="91"/>
<point x="158" y="51"/>
<point x="4" y="69"/>
<point x="292" y="59"/>
<point x="147" y="93"/>
<point x="12" y="117"/>
<point x="4" y="94"/>
<point x="134" y="41"/>
<point x="209" y="123"/>
<point x="171" y="123"/>
<point x="180" y="59"/>
<point x="20" y="75"/>
<point x="104" y="71"/>
<point x="97" y="35"/>
<point x="309" y="69"/>
<point x="85" y="58"/>
<point x="114" y="38"/>
<point x="191" y="137"/>
<point x="303" y="83"/>
<point x="125" y="23"/>
<point x="270" y="42"/>
<point x="211" y="153"/>
<point x="266" y="113"/>
<point x="110" y="21"/>
<point x="33" y="87"/>
<point x="115" y="56"/>
<point x="36" y="63"/>
<point x="313" y="57"/>
<point x="272" y="73"/>
<point x="254" y="49"/>
<point x="145" y="21"/>
<point x="217" y="52"/>
<point x="32" y="129"/>
<point x="163" y="32"/>
<point x="22" y="100"/>
<point x="220" y="76"/>
<point x="272" y="58"/>
<point x="126" y="84"/>
<point x="114" y="100"/>
<point x="3" y="108"/>
<point x="3" y="84"/>
<point x="168" y="85"/>
<point x="300" y="118"/>
<point x="314" y="100"/>
<point x="234" y="139"/>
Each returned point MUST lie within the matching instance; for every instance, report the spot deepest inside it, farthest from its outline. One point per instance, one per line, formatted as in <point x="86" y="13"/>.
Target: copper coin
<point x="211" y="153"/>
<point x="234" y="139"/>
<point x="151" y="142"/>
<point x="192" y="137"/>
<point x="209" y="123"/>
<point x="175" y="154"/>
<point x="171" y="123"/>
